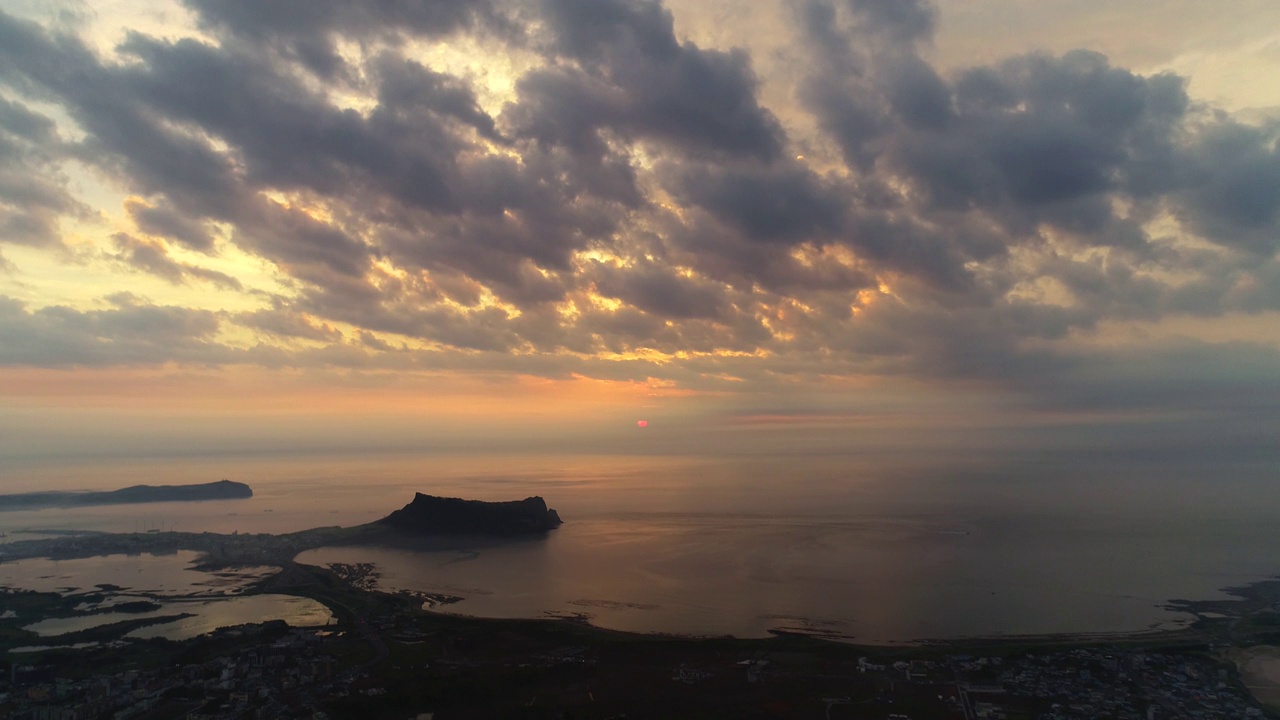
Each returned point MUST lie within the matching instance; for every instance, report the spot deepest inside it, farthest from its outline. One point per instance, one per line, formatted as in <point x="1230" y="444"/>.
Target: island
<point x="431" y="515"/>
<point x="135" y="494"/>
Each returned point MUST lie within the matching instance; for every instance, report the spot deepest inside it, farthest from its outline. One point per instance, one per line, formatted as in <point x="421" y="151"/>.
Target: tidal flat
<point x="167" y="595"/>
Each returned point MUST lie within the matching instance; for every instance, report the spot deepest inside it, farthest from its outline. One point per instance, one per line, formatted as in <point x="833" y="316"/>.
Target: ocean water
<point x="849" y="546"/>
<point x="875" y="580"/>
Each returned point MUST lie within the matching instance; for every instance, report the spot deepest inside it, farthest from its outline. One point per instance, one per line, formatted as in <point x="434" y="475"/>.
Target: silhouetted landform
<point x="220" y="490"/>
<point x="430" y="515"/>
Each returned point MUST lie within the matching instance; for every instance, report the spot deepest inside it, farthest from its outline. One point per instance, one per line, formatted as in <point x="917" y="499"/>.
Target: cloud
<point x="1037" y="132"/>
<point x="19" y="121"/>
<point x="661" y="291"/>
<point x="899" y="20"/>
<point x="1232" y="193"/>
<point x="166" y="222"/>
<point x="153" y="257"/>
<point x="1221" y="379"/>
<point x="34" y="193"/>
<point x="770" y="203"/>
<point x="282" y="323"/>
<point x="307" y="30"/>
<point x="127" y="334"/>
<point x="630" y="202"/>
<point x="632" y="77"/>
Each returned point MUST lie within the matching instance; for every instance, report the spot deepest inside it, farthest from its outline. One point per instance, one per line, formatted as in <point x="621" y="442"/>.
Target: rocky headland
<point x="431" y="515"/>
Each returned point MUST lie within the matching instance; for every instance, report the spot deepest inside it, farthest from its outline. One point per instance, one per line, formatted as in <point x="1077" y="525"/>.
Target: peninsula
<point x="220" y="490"/>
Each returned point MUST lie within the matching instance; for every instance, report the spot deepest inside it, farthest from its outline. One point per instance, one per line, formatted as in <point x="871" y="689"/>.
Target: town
<point x="398" y="662"/>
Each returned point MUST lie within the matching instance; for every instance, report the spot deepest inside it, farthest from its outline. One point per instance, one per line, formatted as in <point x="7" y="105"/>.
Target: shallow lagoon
<point x="172" y="581"/>
<point x="207" y="616"/>
<point x="167" y="575"/>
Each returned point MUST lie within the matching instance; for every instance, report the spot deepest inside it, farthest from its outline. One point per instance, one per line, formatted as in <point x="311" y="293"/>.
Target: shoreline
<point x="1209" y="621"/>
<point x="386" y="647"/>
<point x="1107" y="637"/>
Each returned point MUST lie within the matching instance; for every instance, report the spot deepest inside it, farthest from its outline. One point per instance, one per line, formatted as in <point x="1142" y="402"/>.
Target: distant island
<point x="220" y="490"/>
<point x="431" y="515"/>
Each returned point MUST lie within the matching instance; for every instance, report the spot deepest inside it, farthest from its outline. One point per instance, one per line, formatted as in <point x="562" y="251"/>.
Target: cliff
<point x="430" y="515"/>
<point x="221" y="490"/>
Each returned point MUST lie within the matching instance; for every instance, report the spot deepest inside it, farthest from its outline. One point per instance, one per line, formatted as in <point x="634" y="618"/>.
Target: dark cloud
<point x="856" y="119"/>
<point x="720" y="253"/>
<point x="34" y="192"/>
<point x="1226" y="381"/>
<point x="1030" y="156"/>
<point x="1233" y="191"/>
<point x="899" y="19"/>
<point x="779" y="203"/>
<point x="411" y="163"/>
<point x="588" y="30"/>
<point x="635" y="79"/>
<point x="146" y="154"/>
<point x="1040" y="130"/>
<point x="903" y="244"/>
<point x="18" y="120"/>
<point x="308" y="248"/>
<point x="527" y="221"/>
<point x="864" y="70"/>
<point x="166" y="222"/>
<point x="308" y="30"/>
<point x="917" y="95"/>
<point x="128" y="334"/>
<point x="371" y="341"/>
<point x="292" y="18"/>
<point x="287" y="324"/>
<point x="289" y="136"/>
<point x="661" y="291"/>
<point x="631" y="330"/>
<point x="636" y="195"/>
<point x="153" y="257"/>
<point x="409" y="88"/>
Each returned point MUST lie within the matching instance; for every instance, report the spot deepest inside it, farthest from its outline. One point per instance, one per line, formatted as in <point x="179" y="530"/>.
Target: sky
<point x="777" y="226"/>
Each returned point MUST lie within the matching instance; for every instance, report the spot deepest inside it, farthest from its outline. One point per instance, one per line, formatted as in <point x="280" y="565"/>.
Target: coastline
<point x="392" y="652"/>
<point x="1210" y="620"/>
<point x="1226" y="621"/>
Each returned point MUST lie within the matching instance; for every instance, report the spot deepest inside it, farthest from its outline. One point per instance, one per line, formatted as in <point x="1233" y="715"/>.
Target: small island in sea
<point x="135" y="494"/>
<point x="431" y="515"/>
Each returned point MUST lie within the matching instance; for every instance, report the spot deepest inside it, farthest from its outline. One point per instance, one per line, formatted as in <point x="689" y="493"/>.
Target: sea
<point x="846" y="546"/>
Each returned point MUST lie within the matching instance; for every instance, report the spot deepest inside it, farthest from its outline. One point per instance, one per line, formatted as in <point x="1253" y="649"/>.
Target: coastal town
<point x="390" y="660"/>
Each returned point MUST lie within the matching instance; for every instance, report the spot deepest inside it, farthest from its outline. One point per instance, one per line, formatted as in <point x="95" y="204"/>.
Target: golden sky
<point x="534" y="222"/>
